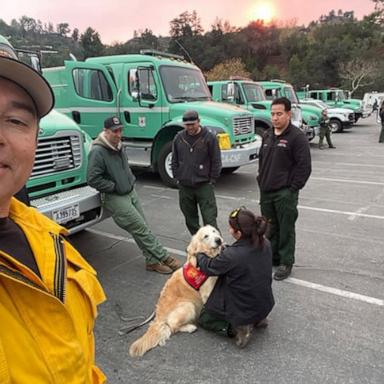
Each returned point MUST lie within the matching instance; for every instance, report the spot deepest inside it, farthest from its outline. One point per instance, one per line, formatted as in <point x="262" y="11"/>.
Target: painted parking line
<point x="351" y="215"/>
<point x="335" y="291"/>
<point x="346" y="213"/>
<point x="347" y="181"/>
<point x="291" y="280"/>
<point x="354" y="165"/>
<point x="130" y="240"/>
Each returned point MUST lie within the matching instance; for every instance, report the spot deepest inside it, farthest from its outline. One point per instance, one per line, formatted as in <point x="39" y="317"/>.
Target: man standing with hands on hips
<point x="196" y="164"/>
<point x="284" y="168"/>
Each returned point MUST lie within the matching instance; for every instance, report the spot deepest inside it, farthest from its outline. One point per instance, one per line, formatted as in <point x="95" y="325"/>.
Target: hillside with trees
<point x="337" y="50"/>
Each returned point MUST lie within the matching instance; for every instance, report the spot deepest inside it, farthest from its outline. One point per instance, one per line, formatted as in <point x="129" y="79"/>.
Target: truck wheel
<point x="164" y="166"/>
<point x="260" y="131"/>
<point x="336" y="126"/>
<point x="227" y="171"/>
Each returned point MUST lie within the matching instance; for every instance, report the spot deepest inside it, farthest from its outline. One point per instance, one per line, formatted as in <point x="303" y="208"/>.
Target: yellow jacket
<point x="46" y="324"/>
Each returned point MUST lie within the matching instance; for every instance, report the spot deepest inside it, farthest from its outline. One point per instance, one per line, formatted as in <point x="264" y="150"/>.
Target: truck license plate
<point x="66" y="214"/>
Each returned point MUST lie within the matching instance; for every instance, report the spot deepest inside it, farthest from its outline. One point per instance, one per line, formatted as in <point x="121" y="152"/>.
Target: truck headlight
<point x="224" y="141"/>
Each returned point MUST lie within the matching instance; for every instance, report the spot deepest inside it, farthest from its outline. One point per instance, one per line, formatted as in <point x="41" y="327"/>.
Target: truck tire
<point x="227" y="171"/>
<point x="164" y="166"/>
<point x="336" y="125"/>
<point x="259" y="130"/>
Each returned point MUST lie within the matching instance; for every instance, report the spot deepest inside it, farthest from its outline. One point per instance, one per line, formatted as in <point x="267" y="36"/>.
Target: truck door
<point x="92" y="95"/>
<point x="142" y="101"/>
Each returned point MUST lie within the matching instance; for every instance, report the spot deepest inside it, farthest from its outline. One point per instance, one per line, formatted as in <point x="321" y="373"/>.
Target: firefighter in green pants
<point x="284" y="168"/>
<point x="196" y="164"/>
<point x="108" y="172"/>
<point x="325" y="130"/>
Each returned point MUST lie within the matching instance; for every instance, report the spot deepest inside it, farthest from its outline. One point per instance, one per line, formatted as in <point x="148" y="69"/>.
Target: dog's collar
<point x="193" y="276"/>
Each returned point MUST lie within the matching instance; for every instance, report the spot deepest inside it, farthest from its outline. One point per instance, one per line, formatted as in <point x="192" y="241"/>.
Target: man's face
<point x="18" y="132"/>
<point x="114" y="136"/>
<point x="280" y="117"/>
<point x="192" y="128"/>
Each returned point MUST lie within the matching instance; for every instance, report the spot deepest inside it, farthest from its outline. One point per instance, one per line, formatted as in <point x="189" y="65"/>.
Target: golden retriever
<point x="179" y="304"/>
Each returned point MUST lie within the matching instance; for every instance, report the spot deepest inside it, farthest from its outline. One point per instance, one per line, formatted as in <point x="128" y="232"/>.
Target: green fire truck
<point x="246" y="94"/>
<point x="336" y="98"/>
<point x="310" y="115"/>
<point x="150" y="92"/>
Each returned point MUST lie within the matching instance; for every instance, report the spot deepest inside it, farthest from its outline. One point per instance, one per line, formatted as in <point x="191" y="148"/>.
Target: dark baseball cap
<point x="31" y="81"/>
<point x="190" y="117"/>
<point x="112" y="123"/>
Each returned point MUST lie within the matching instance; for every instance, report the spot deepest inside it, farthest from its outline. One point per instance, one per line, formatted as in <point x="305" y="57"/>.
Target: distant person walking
<point x="109" y="173"/>
<point x="284" y="168"/>
<point x="196" y="165"/>
<point x="375" y="106"/>
<point x="325" y="130"/>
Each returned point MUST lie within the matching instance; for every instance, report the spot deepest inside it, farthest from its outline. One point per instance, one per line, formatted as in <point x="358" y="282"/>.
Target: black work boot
<point x="282" y="272"/>
<point x="243" y="335"/>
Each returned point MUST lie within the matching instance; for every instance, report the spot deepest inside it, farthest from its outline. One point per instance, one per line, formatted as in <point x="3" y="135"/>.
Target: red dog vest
<point x="193" y="276"/>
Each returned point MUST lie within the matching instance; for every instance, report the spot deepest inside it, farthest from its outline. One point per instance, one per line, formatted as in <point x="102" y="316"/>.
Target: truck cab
<point x="337" y="98"/>
<point x="307" y="119"/>
<point x="246" y="94"/>
<point x="149" y="92"/>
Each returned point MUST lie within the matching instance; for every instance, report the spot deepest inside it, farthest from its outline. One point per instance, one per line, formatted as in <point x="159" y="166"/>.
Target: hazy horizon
<point x="116" y="20"/>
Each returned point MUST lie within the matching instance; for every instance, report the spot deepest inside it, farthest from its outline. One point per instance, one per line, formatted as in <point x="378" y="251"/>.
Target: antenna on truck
<point x="184" y="50"/>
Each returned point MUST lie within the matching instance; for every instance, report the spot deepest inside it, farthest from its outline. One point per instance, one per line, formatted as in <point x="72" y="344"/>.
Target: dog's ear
<point x="192" y="251"/>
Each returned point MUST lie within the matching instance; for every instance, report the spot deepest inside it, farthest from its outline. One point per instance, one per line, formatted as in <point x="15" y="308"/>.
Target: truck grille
<point x="57" y="154"/>
<point x="242" y="125"/>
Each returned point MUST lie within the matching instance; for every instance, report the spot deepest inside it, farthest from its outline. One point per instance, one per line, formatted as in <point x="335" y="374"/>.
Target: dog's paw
<point x="189" y="328"/>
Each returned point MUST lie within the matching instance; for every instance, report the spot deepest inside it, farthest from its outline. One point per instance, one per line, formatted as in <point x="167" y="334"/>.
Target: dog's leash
<point x="130" y="328"/>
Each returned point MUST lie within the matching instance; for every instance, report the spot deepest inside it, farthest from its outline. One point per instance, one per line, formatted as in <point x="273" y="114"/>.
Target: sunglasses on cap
<point x="235" y="215"/>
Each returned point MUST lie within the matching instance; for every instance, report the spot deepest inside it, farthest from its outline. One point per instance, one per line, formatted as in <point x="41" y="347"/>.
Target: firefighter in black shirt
<point x="284" y="168"/>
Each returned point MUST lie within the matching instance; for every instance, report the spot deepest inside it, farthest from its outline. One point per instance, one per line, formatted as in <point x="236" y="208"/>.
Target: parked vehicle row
<point x="335" y="98"/>
<point x="149" y="92"/>
<point x="340" y="118"/>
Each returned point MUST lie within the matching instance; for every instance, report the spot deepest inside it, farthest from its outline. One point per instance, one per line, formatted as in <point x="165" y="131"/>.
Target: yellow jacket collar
<point x="34" y="219"/>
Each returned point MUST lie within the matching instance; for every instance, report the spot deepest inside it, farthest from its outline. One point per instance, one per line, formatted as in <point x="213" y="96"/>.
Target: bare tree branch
<point x="358" y="72"/>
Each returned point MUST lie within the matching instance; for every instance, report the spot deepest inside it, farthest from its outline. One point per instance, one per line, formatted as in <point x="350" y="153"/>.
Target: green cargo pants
<point x="128" y="214"/>
<point x="192" y="198"/>
<point x="212" y="323"/>
<point x="280" y="208"/>
<point x="325" y="131"/>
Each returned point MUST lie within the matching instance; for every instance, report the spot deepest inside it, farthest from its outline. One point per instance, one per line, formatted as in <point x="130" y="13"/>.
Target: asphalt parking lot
<point x="327" y="324"/>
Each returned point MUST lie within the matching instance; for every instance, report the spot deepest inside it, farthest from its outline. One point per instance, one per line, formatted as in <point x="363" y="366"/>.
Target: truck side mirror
<point x="146" y="84"/>
<point x="135" y="95"/>
<point x="231" y="91"/>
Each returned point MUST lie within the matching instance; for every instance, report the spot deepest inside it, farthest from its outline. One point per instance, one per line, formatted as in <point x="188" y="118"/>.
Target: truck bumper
<point x="242" y="155"/>
<point x="310" y="132"/>
<point x="75" y="209"/>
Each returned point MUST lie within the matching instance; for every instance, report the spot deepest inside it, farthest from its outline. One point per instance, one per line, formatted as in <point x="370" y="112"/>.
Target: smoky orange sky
<point x="115" y="20"/>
